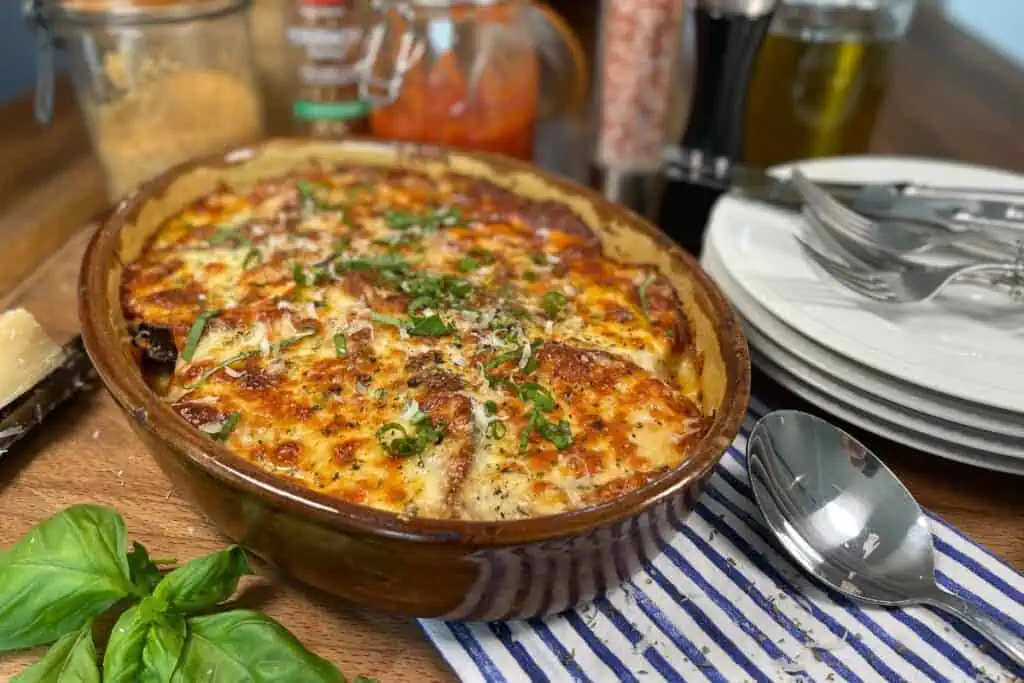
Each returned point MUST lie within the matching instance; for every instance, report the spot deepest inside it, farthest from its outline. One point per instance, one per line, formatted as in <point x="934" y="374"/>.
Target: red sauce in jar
<point x="439" y="103"/>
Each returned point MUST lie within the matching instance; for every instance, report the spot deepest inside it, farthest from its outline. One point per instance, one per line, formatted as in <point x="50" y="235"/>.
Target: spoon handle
<point x="1000" y="636"/>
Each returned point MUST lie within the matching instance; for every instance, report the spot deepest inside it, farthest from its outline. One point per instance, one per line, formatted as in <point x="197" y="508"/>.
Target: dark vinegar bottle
<point x="729" y="34"/>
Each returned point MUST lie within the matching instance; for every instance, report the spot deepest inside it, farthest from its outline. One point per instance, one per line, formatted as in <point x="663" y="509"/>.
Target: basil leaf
<point x="642" y="293"/>
<point x="294" y="339"/>
<point x="431" y="326"/>
<point x="467" y="264"/>
<point x="220" y="366"/>
<point x="419" y="302"/>
<point x="301" y="277"/>
<point x="307" y="191"/>
<point x="559" y="434"/>
<point x="499" y="359"/>
<point x="203" y="582"/>
<point x="243" y="646"/>
<point x="252" y="255"/>
<point x="145" y="645"/>
<point x="364" y="679"/>
<point x="401" y="220"/>
<point x="496" y="429"/>
<point x="340" y="345"/>
<point x="531" y="392"/>
<point x="72" y="659"/>
<point x="553" y="302"/>
<point x="145" y="574"/>
<point x="229" y="426"/>
<point x="387" y="319"/>
<point x="61" y="574"/>
<point x="230" y="235"/>
<point x="195" y="333"/>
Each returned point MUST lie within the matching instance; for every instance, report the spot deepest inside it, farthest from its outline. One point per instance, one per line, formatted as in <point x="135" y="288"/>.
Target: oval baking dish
<point x="445" y="568"/>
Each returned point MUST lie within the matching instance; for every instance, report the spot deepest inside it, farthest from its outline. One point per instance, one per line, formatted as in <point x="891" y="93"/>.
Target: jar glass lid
<point x="135" y="11"/>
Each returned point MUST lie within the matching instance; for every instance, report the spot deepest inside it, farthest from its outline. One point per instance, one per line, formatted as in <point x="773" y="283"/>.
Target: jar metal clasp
<point x="381" y="92"/>
<point x="36" y="13"/>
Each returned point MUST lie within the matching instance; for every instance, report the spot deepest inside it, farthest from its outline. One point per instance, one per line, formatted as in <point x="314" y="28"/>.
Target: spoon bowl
<point x="848" y="521"/>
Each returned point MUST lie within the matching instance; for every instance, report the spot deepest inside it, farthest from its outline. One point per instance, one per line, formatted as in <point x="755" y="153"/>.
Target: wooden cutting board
<point x="85" y="452"/>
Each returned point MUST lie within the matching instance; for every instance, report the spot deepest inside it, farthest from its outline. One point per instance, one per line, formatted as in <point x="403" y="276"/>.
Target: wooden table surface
<point x="952" y="97"/>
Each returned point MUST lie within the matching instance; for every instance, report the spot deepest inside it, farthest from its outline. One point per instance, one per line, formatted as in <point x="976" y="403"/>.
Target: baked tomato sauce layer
<point x="436" y="347"/>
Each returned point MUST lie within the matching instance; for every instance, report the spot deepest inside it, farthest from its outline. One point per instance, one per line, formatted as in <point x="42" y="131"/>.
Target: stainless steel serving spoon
<point x="848" y="521"/>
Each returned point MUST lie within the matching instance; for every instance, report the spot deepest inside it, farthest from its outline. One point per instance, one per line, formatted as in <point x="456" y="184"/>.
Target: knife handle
<point x="729" y="36"/>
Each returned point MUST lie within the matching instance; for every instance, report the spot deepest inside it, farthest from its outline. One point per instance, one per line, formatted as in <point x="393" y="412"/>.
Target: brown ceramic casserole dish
<point x="420" y="567"/>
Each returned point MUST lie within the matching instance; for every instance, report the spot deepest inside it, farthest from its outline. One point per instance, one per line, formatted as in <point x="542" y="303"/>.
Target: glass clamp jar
<point x="475" y="74"/>
<point x="157" y="81"/>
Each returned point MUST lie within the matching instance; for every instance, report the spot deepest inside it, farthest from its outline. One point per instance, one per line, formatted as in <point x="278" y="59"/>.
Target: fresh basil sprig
<point x="64" y="572"/>
<point x="642" y="293"/>
<point x="71" y="658"/>
<point x="75" y="566"/>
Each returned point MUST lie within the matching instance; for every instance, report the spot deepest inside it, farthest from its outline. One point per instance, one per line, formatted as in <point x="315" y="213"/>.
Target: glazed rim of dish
<point x="106" y="343"/>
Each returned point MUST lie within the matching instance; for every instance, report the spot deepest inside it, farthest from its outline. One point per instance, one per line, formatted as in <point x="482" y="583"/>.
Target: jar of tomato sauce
<point x="475" y="74"/>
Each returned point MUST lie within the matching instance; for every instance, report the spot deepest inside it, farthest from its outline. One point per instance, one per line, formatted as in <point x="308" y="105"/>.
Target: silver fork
<point x="910" y="284"/>
<point x="892" y="238"/>
<point x="850" y="247"/>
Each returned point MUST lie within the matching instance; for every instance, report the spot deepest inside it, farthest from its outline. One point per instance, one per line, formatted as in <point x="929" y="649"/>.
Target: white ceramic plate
<point x="889" y="430"/>
<point x="969" y="346"/>
<point x="914" y="423"/>
<point x="894" y="422"/>
<point x="978" y="420"/>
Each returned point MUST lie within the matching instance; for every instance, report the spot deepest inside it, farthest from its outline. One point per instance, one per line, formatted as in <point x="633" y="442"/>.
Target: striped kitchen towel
<point x="722" y="604"/>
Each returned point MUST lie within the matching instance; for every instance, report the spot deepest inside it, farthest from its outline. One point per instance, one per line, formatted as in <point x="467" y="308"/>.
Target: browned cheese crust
<point x="435" y="347"/>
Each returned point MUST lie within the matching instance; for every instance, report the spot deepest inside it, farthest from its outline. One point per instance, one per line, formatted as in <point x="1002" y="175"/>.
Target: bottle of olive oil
<point x="820" y="79"/>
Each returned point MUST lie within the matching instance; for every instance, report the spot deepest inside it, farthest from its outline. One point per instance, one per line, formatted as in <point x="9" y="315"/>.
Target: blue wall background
<point x="17" y="52"/>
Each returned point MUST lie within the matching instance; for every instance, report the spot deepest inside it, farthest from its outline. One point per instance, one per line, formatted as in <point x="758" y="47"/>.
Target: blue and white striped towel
<point x="722" y="604"/>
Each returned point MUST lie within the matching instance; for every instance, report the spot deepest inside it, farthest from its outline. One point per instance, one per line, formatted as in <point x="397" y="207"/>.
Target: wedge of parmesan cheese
<point x="27" y="354"/>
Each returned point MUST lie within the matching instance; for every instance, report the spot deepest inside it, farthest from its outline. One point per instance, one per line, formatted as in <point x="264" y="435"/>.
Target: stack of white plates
<point x="945" y="377"/>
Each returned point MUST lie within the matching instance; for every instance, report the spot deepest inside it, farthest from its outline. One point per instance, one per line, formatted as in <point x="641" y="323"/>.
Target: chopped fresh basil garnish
<point x="531" y="392"/>
<point x="642" y="291"/>
<point x="307" y="191"/>
<point x="559" y="434"/>
<point x="250" y="256"/>
<point x="302" y="277"/>
<point x="284" y="343"/>
<point x="396" y="440"/>
<point x="403" y="220"/>
<point x="388" y="320"/>
<point x="220" y="366"/>
<point x="553" y="302"/>
<point x="340" y="345"/>
<point x="230" y="235"/>
<point x="195" y="334"/>
<point x="496" y="429"/>
<point x="419" y="303"/>
<point x="229" y="426"/>
<point x="430" y="326"/>
<point x="467" y="264"/>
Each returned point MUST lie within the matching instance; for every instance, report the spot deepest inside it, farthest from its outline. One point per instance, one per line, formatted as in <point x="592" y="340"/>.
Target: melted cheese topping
<point x="436" y="347"/>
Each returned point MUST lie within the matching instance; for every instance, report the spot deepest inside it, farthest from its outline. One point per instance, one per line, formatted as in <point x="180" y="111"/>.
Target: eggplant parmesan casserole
<point x="430" y="345"/>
